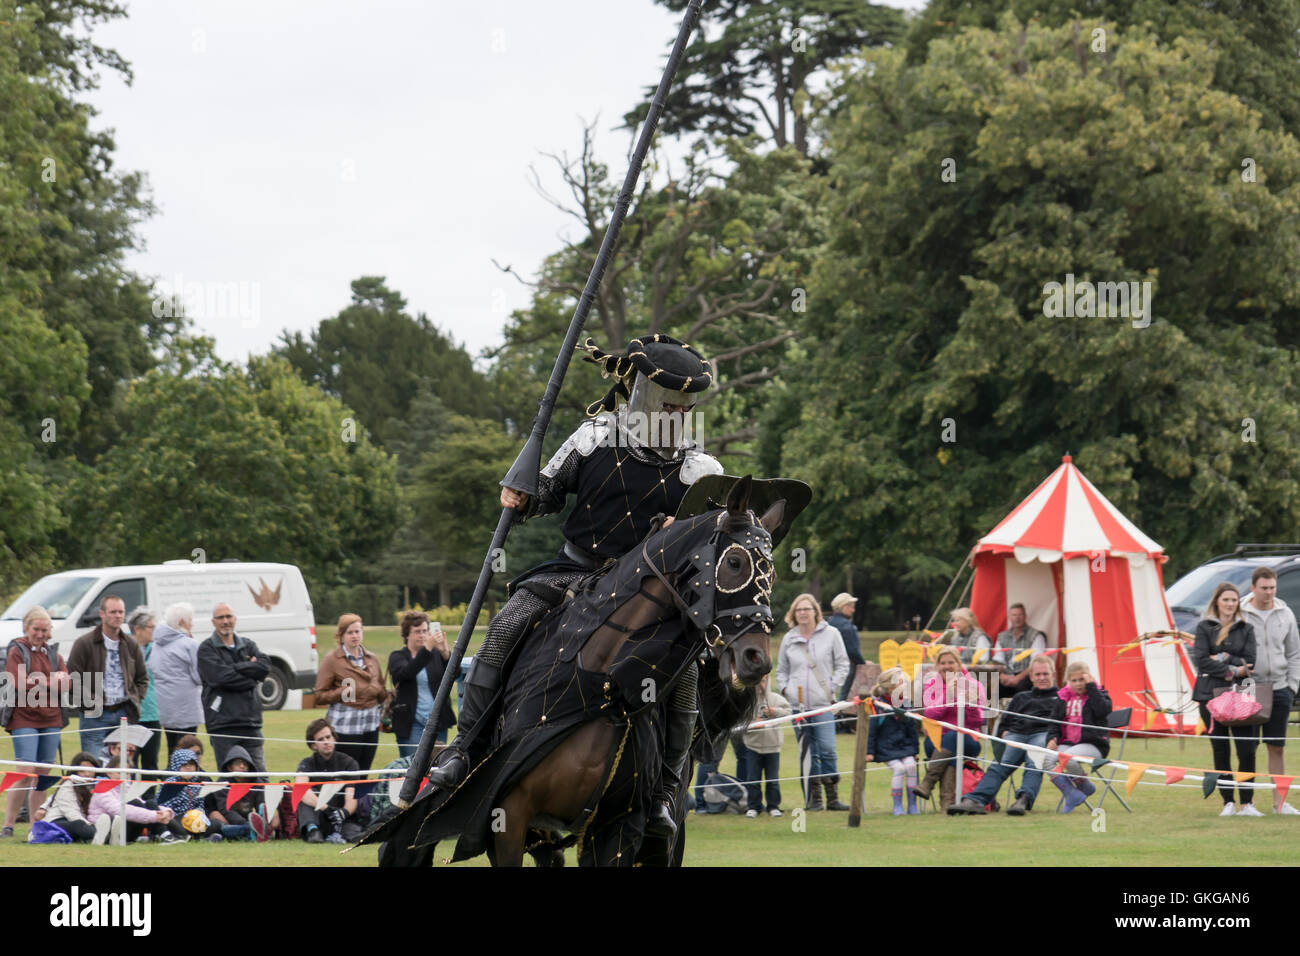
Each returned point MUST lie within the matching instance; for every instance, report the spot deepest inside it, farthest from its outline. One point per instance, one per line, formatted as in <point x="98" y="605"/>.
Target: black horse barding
<point x="578" y="747"/>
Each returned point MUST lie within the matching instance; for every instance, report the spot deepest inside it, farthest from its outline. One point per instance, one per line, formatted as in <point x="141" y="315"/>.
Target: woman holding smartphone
<point x="417" y="670"/>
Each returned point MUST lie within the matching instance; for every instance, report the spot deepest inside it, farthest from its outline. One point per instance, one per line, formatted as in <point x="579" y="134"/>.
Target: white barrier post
<point x="961" y="737"/>
<point x="120" y="837"/>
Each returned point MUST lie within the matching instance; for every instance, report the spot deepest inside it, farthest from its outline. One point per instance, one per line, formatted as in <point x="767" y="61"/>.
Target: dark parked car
<point x="1189" y="596"/>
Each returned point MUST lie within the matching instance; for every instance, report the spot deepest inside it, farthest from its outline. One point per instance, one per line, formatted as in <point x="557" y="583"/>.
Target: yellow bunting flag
<point x="888" y="654"/>
<point x="1022" y="655"/>
<point x="1200" y="726"/>
<point x="1174" y="774"/>
<point x="932" y="730"/>
<point x="1135" y="771"/>
<point x="1071" y="650"/>
<point x="1150" y="721"/>
<point x="978" y="655"/>
<point x="910" y="656"/>
<point x="1241" y="777"/>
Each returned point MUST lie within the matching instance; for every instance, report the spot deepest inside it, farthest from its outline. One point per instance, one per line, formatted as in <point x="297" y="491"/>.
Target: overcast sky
<point x="292" y="147"/>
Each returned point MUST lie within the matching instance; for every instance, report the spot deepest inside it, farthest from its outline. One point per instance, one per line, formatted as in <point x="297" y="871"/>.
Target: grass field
<point x="1169" y="825"/>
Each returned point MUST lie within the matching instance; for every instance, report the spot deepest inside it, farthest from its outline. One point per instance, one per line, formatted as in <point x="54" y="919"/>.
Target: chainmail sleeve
<point x="559" y="478"/>
<point x="554" y="485"/>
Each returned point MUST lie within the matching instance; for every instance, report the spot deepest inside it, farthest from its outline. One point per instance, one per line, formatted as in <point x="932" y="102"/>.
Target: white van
<point x="269" y="600"/>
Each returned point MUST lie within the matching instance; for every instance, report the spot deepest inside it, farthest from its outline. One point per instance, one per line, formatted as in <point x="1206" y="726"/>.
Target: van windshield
<point x="58" y="594"/>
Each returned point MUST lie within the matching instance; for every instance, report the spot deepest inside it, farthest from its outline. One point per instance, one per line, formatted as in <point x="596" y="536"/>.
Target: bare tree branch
<point x="756" y="347"/>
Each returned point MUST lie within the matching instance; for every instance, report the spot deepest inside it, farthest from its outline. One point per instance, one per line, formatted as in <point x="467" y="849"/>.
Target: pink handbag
<point x="1237" y="708"/>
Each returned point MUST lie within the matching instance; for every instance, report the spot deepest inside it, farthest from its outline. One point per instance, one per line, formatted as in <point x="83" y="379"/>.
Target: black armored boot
<point x="453" y="763"/>
<point x="678" y="731"/>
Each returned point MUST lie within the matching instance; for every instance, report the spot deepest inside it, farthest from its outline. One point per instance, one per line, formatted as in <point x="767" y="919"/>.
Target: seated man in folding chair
<point x="1034" y="717"/>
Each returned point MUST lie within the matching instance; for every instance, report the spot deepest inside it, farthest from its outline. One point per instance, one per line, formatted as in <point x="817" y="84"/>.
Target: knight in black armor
<point x="625" y="465"/>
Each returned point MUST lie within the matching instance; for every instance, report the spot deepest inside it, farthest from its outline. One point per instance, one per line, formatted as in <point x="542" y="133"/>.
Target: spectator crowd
<point x="166" y="681"/>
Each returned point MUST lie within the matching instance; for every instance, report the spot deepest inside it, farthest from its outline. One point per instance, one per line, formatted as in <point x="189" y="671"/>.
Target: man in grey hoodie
<point x="1277" y="661"/>
<point x="175" y="667"/>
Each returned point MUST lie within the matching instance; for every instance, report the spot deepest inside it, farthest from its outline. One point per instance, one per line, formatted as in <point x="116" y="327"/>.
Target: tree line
<point x="861" y="234"/>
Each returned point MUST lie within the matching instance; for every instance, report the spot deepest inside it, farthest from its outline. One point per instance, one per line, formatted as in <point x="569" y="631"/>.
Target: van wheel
<point x="274" y="689"/>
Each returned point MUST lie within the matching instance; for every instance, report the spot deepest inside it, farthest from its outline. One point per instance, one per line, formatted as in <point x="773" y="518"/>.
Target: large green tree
<point x="752" y="68"/>
<point x="70" y="214"/>
<point x="941" y="385"/>
<point x="243" y="463"/>
<point x="1256" y="45"/>
<point x="718" y="261"/>
<point x="376" y="358"/>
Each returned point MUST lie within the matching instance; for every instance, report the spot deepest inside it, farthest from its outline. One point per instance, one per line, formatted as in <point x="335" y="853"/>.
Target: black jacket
<point x="1210" y="674"/>
<point x="1096" y="709"/>
<point x="405" y="670"/>
<point x="891" y="736"/>
<point x="1029" y="705"/>
<point x="852" y="640"/>
<point x="230" y="681"/>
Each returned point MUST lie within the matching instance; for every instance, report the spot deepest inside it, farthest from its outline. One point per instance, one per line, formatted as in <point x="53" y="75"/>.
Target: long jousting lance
<point x="523" y="473"/>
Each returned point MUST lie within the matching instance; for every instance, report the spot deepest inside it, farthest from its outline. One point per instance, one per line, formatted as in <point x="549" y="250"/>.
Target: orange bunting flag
<point x="1283" y="784"/>
<point x="296" y="794"/>
<point x="1174" y="774"/>
<point x="1061" y="761"/>
<point x="1241" y="777"/>
<point x="932" y="730"/>
<point x="1135" y="772"/>
<point x="9" y="780"/>
<point x="236" y="793"/>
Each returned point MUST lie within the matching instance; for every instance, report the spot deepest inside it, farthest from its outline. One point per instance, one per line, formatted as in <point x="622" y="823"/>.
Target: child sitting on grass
<point x="68" y="804"/>
<point x="892" y="738"/>
<point x="179" y="795"/>
<point x="245" y="819"/>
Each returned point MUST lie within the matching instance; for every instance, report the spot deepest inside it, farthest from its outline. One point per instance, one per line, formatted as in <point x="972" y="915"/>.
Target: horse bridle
<point x="756" y="615"/>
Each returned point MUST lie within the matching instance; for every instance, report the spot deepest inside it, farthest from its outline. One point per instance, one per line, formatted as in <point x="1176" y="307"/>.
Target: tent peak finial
<point x="1066" y="458"/>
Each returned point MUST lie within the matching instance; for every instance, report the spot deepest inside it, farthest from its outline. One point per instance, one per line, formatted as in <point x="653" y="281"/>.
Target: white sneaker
<point x="1248" y="810"/>
<point x="1228" y="810"/>
<point x="751" y="813"/>
<point x="774" y="812"/>
<point x="102" y="826"/>
<point x="1287" y="810"/>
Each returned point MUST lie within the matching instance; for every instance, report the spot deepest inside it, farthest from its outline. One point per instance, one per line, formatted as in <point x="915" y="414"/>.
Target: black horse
<point x="579" y="746"/>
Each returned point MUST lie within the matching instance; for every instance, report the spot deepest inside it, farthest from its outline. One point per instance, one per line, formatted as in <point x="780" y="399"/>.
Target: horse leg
<point x="558" y="786"/>
<point x="512" y="817"/>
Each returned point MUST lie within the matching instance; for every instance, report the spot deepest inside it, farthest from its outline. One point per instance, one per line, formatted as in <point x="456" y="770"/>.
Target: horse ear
<point x="738" y="498"/>
<point x="771" y="519"/>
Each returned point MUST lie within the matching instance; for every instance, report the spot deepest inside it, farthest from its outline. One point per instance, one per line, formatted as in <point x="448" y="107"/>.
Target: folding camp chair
<point x="1118" y="720"/>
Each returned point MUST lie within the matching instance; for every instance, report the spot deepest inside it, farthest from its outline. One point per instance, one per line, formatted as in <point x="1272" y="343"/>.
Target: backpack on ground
<point x="723" y="794"/>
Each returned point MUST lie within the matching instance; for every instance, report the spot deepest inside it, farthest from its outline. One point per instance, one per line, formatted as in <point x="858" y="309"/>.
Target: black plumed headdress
<point x="664" y="360"/>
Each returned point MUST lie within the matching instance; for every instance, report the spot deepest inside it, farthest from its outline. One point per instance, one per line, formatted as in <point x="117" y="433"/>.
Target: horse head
<point x="727" y="587"/>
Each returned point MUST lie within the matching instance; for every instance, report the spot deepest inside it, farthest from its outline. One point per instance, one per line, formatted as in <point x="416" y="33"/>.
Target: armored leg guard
<point x="480" y="687"/>
<point x="679" y="729"/>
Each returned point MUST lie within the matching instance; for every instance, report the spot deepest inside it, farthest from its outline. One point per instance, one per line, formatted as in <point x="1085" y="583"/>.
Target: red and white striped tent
<point x="1089" y="579"/>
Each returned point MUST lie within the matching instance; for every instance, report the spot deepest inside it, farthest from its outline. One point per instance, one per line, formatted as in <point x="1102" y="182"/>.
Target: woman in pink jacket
<point x="939" y="696"/>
